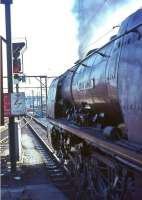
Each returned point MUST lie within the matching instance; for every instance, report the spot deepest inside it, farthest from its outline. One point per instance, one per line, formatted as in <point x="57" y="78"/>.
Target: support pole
<point x="33" y="102"/>
<point x="37" y="101"/>
<point x="41" y="102"/>
<point x="12" y="148"/>
<point x="1" y="86"/>
<point x="46" y="93"/>
<point x="17" y="88"/>
<point x="17" y="91"/>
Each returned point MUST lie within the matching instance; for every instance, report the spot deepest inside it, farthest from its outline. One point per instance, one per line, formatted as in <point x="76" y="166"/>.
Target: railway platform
<point x="32" y="180"/>
<point x="31" y="191"/>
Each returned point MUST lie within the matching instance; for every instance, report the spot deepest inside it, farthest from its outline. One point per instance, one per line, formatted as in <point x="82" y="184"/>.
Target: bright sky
<point x="50" y="29"/>
<point x="51" y="32"/>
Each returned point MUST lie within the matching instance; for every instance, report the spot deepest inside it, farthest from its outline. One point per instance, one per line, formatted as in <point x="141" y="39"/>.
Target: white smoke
<point x="96" y="17"/>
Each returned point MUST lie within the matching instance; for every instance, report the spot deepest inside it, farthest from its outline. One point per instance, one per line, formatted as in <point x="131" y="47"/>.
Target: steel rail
<point x="42" y="140"/>
<point x="64" y="182"/>
<point x="5" y="138"/>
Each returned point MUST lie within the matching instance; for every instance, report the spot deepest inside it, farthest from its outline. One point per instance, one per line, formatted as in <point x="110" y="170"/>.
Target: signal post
<point x="12" y="149"/>
<point x="13" y="98"/>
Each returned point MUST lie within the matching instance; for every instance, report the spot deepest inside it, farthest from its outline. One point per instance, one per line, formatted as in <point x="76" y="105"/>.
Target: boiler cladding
<point x="105" y="87"/>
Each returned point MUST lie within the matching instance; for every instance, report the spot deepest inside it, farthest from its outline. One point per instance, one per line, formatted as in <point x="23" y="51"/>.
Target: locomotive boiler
<point x="100" y="98"/>
<point x="106" y="85"/>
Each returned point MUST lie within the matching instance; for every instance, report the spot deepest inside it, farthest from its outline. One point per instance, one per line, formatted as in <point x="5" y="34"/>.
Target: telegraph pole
<point x="12" y="148"/>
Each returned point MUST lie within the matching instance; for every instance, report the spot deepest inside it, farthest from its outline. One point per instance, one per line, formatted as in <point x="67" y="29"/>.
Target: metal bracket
<point x="6" y="2"/>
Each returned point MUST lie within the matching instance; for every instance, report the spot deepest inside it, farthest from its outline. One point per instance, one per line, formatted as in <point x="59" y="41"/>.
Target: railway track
<point x="99" y="171"/>
<point x="55" y="169"/>
<point x="3" y="141"/>
<point x="4" y="136"/>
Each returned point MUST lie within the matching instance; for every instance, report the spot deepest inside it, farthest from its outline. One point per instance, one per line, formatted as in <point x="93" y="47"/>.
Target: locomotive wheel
<point x="104" y="182"/>
<point x="99" y="181"/>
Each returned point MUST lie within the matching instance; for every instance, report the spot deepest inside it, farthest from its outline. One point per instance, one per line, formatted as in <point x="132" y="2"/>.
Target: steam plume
<point x="94" y="14"/>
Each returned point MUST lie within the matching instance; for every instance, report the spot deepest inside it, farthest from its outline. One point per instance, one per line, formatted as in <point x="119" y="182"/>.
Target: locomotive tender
<point x="107" y="83"/>
<point x="102" y="93"/>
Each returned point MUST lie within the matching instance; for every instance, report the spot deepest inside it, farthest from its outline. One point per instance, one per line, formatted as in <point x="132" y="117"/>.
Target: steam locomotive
<point x="102" y="93"/>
